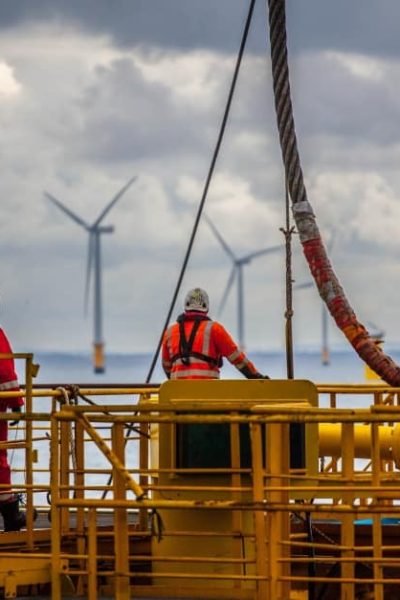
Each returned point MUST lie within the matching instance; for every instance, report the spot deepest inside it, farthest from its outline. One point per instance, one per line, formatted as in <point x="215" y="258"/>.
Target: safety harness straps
<point x="186" y="351"/>
<point x="186" y="345"/>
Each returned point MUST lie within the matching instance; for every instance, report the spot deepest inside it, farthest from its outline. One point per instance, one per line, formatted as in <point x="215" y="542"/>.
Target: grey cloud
<point x="127" y="119"/>
<point x="95" y="132"/>
<point x="368" y="26"/>
<point x="169" y="23"/>
<point x="335" y="102"/>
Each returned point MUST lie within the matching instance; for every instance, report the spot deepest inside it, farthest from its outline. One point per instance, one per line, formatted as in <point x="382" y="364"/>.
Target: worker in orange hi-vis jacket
<point x="13" y="518"/>
<point x="194" y="346"/>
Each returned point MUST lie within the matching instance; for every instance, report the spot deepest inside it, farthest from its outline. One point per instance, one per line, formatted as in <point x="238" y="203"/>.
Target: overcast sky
<point x="93" y="92"/>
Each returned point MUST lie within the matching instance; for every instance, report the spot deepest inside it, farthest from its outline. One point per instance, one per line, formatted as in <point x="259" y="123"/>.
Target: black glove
<point x="260" y="376"/>
<point x="17" y="409"/>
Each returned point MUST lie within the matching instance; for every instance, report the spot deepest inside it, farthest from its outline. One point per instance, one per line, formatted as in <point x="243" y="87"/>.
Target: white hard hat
<point x="197" y="299"/>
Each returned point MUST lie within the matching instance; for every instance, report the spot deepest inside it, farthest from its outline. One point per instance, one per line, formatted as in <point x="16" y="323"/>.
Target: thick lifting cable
<point x="206" y="186"/>
<point x="327" y="283"/>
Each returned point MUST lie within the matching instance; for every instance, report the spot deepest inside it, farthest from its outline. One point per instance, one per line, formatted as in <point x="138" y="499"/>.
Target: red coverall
<point x="8" y="382"/>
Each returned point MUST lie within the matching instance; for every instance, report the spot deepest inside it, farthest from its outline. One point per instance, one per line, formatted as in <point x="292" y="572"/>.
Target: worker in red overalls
<point x="13" y="518"/>
<point x="193" y="347"/>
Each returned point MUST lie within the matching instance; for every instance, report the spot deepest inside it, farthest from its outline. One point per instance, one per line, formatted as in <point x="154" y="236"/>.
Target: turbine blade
<point x="225" y="295"/>
<point x="270" y="250"/>
<point x="331" y="241"/>
<point x="377" y="332"/>
<point x="304" y="285"/>
<point x="219" y="237"/>
<point x="67" y="211"/>
<point x="88" y="273"/>
<point x="113" y="201"/>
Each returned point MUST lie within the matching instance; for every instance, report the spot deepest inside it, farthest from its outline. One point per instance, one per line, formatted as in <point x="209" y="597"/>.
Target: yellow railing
<point x="134" y="512"/>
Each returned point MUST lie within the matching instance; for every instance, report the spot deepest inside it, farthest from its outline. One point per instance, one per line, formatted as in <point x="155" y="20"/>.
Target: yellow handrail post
<point x="55" y="515"/>
<point x="278" y="523"/>
<point x="260" y="530"/>
<point x="376" y="518"/>
<point x="30" y="372"/>
<point x="121" y="539"/>
<point x="237" y="521"/>
<point x="144" y="465"/>
<point x="65" y="456"/>
<point x="347" y="529"/>
<point x="92" y="555"/>
<point x="79" y="492"/>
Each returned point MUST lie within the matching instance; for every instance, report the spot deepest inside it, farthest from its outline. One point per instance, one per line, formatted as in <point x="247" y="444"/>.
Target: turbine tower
<point x="94" y="263"/>
<point x="237" y="272"/>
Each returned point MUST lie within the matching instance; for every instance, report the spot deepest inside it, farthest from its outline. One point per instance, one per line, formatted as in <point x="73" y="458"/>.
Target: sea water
<point x="345" y="367"/>
<point x="61" y="369"/>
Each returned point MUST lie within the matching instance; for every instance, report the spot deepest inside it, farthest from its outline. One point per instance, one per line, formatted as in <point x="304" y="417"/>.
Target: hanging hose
<point x="327" y="283"/>
<point x="206" y="186"/>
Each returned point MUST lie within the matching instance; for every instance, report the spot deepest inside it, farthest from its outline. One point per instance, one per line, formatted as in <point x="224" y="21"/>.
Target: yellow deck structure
<point x="272" y="490"/>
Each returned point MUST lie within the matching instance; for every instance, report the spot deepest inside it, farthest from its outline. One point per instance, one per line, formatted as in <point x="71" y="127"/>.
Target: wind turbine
<point x="94" y="263"/>
<point x="237" y="272"/>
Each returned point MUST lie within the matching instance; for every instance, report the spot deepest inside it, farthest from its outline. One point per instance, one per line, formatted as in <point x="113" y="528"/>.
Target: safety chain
<point x="211" y="169"/>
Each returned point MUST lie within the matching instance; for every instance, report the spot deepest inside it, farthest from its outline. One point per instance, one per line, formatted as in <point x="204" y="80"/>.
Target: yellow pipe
<point x="330" y="441"/>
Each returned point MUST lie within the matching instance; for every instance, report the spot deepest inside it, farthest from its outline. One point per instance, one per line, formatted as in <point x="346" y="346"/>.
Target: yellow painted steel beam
<point x="58" y="393"/>
<point x="168" y="591"/>
<point x="260" y="529"/>
<point x="121" y="542"/>
<point x="25" y="570"/>
<point x="92" y="555"/>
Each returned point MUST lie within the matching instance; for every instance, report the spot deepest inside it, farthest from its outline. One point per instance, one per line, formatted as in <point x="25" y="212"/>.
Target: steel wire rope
<point x="207" y="184"/>
<point x="327" y="283"/>
<point x="321" y="269"/>
<point x="288" y="231"/>
<point x="203" y="199"/>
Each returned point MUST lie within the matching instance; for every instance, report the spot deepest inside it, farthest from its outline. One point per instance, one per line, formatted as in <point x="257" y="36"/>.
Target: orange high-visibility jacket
<point x="203" y="356"/>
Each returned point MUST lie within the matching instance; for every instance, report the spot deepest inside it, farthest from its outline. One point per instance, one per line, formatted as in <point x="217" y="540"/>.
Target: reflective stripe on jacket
<point x="8" y="376"/>
<point x="212" y="341"/>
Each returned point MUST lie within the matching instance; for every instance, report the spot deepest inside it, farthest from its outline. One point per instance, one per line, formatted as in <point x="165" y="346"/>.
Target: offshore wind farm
<point x="201" y="485"/>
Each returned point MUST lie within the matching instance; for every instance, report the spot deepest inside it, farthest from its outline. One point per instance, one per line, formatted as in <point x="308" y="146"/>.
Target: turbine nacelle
<point x="104" y="229"/>
<point x="243" y="261"/>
